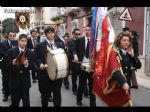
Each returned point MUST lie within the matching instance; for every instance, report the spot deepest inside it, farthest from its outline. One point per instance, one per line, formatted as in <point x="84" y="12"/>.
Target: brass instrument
<point x="19" y="61"/>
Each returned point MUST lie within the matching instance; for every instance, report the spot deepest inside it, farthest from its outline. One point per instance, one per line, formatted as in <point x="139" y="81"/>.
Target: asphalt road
<point x="140" y="97"/>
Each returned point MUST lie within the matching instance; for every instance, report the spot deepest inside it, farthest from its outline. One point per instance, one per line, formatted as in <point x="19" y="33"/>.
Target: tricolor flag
<point x="98" y="15"/>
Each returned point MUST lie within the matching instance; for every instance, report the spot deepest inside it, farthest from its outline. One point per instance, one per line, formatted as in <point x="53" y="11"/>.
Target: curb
<point x="144" y="83"/>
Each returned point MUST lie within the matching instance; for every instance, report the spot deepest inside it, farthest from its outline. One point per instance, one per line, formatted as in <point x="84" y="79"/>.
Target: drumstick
<point x="75" y="62"/>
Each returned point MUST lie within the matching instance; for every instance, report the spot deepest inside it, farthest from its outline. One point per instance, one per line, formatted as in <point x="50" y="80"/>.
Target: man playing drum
<point x="46" y="84"/>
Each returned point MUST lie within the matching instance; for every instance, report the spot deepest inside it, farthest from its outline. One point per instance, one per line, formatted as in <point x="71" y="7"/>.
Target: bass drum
<point x="57" y="62"/>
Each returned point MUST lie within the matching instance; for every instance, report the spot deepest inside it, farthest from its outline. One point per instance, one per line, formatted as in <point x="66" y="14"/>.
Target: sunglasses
<point x="77" y="34"/>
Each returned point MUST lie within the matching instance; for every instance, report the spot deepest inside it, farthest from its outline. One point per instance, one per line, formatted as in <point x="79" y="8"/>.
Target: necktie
<point x="50" y="46"/>
<point x="21" y="51"/>
<point x="87" y="49"/>
<point x="33" y="42"/>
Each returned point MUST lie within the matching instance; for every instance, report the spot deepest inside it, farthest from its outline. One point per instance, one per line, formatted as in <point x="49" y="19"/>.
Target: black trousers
<point x="18" y="94"/>
<point x="33" y="72"/>
<point x="5" y="82"/>
<point x="66" y="80"/>
<point x="75" y="68"/>
<point x="47" y="86"/>
<point x="83" y="76"/>
<point x="133" y="78"/>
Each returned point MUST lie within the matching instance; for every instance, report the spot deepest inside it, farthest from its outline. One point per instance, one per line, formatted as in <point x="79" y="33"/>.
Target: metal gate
<point x="147" y="42"/>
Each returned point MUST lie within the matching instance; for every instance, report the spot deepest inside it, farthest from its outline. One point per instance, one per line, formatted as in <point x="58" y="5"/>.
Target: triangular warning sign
<point x="126" y="15"/>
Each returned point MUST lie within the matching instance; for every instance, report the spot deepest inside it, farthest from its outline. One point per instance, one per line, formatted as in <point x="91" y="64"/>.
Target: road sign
<point x="126" y="16"/>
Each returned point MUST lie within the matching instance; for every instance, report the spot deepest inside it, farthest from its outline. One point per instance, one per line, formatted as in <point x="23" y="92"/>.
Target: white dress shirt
<point x="42" y="38"/>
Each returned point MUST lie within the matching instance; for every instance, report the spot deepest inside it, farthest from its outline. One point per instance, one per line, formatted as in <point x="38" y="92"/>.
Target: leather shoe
<point x="34" y="81"/>
<point x="75" y="92"/>
<point x="3" y="92"/>
<point x="86" y="94"/>
<point x="50" y="99"/>
<point x="67" y="86"/>
<point x="5" y="98"/>
<point x="79" y="103"/>
<point x="135" y="87"/>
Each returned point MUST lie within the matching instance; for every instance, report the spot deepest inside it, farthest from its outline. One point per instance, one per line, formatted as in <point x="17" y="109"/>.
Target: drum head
<point x="51" y="69"/>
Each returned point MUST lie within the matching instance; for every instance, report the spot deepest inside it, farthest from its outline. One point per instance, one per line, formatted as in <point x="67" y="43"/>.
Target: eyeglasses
<point x="77" y="34"/>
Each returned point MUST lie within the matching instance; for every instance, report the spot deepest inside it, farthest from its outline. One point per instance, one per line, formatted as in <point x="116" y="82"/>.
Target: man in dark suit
<point x="66" y="80"/>
<point x="81" y="54"/>
<point x="4" y="47"/>
<point x="19" y="80"/>
<point x="46" y="84"/>
<point x="31" y="44"/>
<point x="56" y="39"/>
<point x="74" y="66"/>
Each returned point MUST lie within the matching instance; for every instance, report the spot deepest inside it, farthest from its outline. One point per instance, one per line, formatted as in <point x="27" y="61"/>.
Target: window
<point x="89" y="21"/>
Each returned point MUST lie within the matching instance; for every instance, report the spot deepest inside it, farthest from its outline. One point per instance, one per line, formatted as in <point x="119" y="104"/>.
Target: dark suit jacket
<point x="80" y="48"/>
<point x="29" y="44"/>
<point x="135" y="45"/>
<point x="71" y="47"/>
<point x="16" y="79"/>
<point x="57" y="39"/>
<point x="4" y="47"/>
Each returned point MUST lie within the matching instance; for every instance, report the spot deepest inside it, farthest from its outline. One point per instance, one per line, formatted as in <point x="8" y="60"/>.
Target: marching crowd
<point x="25" y="56"/>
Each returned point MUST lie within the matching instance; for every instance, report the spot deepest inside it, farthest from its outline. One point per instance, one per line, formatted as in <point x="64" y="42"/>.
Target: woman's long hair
<point x="119" y="37"/>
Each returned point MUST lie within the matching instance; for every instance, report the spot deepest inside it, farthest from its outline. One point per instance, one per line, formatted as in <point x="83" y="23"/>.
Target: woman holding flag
<point x="112" y="67"/>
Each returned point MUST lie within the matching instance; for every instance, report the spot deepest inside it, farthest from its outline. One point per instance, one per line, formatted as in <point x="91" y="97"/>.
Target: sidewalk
<point x="143" y="79"/>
